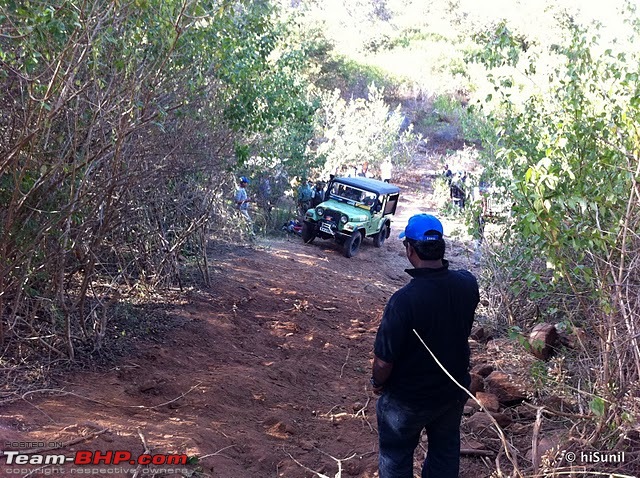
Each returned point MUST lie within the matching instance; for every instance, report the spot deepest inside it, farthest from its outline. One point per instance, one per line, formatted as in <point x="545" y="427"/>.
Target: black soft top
<point x="368" y="184"/>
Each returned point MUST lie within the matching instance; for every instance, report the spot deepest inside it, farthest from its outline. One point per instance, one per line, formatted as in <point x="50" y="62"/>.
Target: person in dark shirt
<point x="305" y="196"/>
<point x="439" y="305"/>
<point x="318" y="194"/>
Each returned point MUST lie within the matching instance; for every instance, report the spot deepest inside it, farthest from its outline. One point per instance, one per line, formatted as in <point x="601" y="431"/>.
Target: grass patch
<point x="353" y="77"/>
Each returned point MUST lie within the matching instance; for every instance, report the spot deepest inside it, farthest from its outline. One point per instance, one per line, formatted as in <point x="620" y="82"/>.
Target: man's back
<point x="439" y="304"/>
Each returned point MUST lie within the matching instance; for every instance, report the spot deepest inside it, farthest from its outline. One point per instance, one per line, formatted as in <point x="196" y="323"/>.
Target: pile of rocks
<point x="502" y="393"/>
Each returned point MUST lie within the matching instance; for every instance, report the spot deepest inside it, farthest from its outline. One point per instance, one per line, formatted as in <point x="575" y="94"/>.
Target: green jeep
<point x="353" y="208"/>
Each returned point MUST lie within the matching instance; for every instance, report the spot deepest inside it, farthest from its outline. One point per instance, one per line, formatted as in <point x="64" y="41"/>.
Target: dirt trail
<point x="265" y="373"/>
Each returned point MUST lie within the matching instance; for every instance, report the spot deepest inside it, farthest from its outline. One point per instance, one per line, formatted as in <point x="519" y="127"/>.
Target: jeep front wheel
<point x="381" y="236"/>
<point x="308" y="234"/>
<point x="352" y="244"/>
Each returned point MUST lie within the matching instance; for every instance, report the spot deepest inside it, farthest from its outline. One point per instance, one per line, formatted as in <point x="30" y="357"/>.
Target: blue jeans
<point x="399" y="428"/>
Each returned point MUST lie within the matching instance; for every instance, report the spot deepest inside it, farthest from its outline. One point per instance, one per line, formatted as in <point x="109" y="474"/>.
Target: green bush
<point x="569" y="157"/>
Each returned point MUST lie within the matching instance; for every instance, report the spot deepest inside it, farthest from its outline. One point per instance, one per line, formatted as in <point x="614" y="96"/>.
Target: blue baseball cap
<point x="244" y="179"/>
<point x="423" y="227"/>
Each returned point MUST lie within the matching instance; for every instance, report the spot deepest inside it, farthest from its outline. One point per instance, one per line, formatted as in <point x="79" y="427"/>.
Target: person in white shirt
<point x="385" y="170"/>
<point x="242" y="199"/>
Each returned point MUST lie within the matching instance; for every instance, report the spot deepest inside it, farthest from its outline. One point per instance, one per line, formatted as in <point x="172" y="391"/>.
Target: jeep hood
<point x="355" y="213"/>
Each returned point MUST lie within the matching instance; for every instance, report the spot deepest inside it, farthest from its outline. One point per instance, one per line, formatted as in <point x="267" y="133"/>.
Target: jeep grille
<point x="331" y="216"/>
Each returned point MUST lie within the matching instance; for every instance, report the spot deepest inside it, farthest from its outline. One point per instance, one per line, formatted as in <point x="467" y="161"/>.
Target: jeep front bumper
<point x="329" y="230"/>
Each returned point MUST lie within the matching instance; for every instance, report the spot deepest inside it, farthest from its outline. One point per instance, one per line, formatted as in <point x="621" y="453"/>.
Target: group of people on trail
<point x="308" y="194"/>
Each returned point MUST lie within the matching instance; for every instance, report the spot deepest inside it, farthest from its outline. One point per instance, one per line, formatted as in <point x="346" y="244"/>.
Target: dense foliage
<point x="122" y="126"/>
<point x="120" y="123"/>
<point x="360" y="131"/>
<point x="567" y="150"/>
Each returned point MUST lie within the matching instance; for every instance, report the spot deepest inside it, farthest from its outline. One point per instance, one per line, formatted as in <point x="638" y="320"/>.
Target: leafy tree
<point x="119" y="123"/>
<point x="359" y="131"/>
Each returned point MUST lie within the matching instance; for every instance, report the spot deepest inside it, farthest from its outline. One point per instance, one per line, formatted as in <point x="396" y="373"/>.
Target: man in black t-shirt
<point x="439" y="305"/>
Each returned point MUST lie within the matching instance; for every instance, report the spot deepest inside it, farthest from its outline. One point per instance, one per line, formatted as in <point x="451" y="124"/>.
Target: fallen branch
<point x="106" y="404"/>
<point x="474" y="452"/>
<point x="534" y="440"/>
<point x="41" y="411"/>
<point x="551" y="411"/>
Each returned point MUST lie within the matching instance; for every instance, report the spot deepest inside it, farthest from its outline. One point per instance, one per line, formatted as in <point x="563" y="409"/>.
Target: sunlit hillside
<point x="423" y="44"/>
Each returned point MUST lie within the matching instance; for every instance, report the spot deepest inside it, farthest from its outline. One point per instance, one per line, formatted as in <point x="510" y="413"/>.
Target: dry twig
<point x="216" y="453"/>
<point x="345" y="362"/>
<point x="320" y="475"/>
<point x="534" y="440"/>
<point x="107" y="404"/>
<point x="146" y="452"/>
<point x="364" y="416"/>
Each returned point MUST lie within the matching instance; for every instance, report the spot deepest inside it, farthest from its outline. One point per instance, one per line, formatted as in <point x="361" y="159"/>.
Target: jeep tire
<point x="308" y="234"/>
<point x="381" y="236"/>
<point x="352" y="244"/>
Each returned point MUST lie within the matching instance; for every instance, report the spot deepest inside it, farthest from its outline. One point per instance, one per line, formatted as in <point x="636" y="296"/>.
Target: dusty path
<point x="265" y="373"/>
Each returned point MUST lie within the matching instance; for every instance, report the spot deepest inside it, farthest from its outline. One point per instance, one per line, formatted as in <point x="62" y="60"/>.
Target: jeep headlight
<point x="320" y="211"/>
<point x="344" y="219"/>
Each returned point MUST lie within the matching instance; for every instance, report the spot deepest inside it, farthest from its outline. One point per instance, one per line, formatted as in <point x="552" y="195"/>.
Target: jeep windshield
<point x="351" y="195"/>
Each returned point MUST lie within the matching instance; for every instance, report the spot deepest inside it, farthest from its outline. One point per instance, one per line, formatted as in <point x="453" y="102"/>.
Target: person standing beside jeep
<point x="415" y="393"/>
<point x="385" y="170"/>
<point x="305" y="195"/>
<point x="318" y="194"/>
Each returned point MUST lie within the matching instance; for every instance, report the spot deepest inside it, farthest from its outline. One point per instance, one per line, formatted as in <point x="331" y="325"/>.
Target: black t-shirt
<point x="440" y="305"/>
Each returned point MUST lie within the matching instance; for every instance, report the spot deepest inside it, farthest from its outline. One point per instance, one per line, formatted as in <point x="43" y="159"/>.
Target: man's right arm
<point x="390" y="338"/>
<point x="380" y="373"/>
